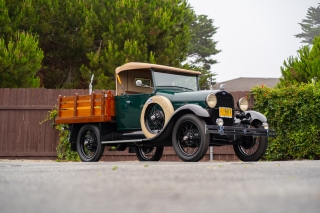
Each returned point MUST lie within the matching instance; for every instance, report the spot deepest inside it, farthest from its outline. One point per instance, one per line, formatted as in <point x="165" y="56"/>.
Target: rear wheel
<point x="251" y="148"/>
<point x="149" y="153"/>
<point x="89" y="146"/>
<point x="189" y="139"/>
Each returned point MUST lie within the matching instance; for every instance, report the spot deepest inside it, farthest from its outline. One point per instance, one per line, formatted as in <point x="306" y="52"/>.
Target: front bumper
<point x="229" y="130"/>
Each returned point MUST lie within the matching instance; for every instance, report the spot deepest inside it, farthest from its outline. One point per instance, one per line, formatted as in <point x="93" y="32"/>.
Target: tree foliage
<point x="310" y="26"/>
<point x="202" y="45"/>
<point x="202" y="48"/>
<point x="304" y="67"/>
<point x="20" y="60"/>
<point x="84" y="37"/>
<point x="97" y="36"/>
<point x="144" y="31"/>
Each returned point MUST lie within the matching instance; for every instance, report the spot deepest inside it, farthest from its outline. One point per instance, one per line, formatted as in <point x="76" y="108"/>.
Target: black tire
<point x="189" y="139"/>
<point x="251" y="148"/>
<point x="89" y="146"/>
<point x="149" y="153"/>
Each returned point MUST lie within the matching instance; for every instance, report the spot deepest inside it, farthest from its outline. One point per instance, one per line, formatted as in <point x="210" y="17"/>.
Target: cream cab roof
<point x="147" y="66"/>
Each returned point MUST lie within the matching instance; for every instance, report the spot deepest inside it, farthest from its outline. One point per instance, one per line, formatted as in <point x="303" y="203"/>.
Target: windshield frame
<point x="179" y="87"/>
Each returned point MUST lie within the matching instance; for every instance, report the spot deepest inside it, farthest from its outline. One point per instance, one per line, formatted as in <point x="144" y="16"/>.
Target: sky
<point x="255" y="36"/>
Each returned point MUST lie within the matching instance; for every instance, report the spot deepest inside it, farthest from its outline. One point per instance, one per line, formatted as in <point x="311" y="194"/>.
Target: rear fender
<point x="74" y="130"/>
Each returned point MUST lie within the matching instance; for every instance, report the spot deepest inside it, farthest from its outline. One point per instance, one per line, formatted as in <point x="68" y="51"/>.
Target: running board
<point x="123" y="141"/>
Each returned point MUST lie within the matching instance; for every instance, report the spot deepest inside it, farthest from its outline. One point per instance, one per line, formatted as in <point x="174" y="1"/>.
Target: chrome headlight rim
<point x="243" y="104"/>
<point x="211" y="100"/>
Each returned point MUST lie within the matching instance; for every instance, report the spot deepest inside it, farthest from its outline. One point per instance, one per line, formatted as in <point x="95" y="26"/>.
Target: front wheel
<point x="189" y="139"/>
<point x="149" y="153"/>
<point x="251" y="148"/>
<point x="89" y="146"/>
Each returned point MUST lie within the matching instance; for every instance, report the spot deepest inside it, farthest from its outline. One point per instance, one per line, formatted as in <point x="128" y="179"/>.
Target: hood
<point x="179" y="99"/>
<point x="195" y="96"/>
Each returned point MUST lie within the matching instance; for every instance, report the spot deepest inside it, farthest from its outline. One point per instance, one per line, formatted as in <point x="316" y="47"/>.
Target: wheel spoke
<point x="249" y="145"/>
<point x="147" y="153"/>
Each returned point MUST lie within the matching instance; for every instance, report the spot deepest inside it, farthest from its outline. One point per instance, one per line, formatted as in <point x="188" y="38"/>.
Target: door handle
<point x="128" y="102"/>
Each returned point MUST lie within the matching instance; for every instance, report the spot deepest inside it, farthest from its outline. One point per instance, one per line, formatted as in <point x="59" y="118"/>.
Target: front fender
<point x="188" y="108"/>
<point x="256" y="116"/>
<point x="196" y="109"/>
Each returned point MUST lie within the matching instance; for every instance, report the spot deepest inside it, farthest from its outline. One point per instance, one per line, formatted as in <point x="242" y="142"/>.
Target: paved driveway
<point x="30" y="187"/>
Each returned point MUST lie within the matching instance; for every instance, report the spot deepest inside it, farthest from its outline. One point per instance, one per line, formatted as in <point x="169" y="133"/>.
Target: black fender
<point x="185" y="109"/>
<point x="256" y="116"/>
<point x="74" y="130"/>
<point x="196" y="109"/>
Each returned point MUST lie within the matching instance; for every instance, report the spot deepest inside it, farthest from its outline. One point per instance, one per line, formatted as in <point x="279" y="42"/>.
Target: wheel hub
<point x="247" y="142"/>
<point x="89" y="143"/>
<point x="147" y="150"/>
<point x="157" y="117"/>
<point x="190" y="136"/>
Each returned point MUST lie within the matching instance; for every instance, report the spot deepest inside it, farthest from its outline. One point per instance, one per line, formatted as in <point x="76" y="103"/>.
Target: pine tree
<point x="303" y="68"/>
<point x="19" y="61"/>
<point x="310" y="26"/>
<point x="202" y="48"/>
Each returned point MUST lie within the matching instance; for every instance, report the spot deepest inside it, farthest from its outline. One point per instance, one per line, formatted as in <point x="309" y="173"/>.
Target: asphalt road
<point x="31" y="187"/>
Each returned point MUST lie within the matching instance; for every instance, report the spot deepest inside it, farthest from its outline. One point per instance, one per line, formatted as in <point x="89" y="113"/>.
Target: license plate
<point x="225" y="112"/>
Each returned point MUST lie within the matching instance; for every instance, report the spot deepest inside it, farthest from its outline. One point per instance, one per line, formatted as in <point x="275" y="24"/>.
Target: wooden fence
<point x="22" y="137"/>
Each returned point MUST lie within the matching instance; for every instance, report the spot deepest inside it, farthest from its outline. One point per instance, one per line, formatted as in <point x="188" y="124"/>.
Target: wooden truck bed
<point x="86" y="108"/>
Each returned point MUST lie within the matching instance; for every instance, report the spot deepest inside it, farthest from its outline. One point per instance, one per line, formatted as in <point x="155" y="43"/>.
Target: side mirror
<point x="139" y="83"/>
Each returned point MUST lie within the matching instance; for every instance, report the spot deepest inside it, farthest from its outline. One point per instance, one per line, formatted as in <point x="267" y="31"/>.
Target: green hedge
<point x="294" y="112"/>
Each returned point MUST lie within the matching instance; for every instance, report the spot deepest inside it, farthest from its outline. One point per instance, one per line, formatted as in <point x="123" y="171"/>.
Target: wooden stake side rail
<point x="86" y="108"/>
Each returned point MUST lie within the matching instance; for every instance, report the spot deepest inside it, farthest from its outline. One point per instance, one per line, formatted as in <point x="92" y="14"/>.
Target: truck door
<point x="128" y="110"/>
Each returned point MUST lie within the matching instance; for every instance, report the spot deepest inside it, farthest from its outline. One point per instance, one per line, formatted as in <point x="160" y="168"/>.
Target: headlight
<point x="211" y="100"/>
<point x="265" y="125"/>
<point x="243" y="104"/>
<point x="219" y="122"/>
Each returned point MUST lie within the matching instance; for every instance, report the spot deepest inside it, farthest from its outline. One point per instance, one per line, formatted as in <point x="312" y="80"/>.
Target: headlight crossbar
<point x="227" y="130"/>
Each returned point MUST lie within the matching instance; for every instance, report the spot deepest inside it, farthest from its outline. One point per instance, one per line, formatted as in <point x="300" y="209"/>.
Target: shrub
<point x="64" y="152"/>
<point x="294" y="112"/>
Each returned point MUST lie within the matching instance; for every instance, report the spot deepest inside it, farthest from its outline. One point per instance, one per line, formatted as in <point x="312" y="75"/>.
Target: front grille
<point x="224" y="99"/>
<point x="225" y="102"/>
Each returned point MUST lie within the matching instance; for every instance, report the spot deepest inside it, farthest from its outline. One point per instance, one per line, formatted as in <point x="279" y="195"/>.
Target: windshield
<point x="173" y="80"/>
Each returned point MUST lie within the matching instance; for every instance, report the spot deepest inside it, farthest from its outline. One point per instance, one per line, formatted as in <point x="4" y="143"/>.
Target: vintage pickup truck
<point x="156" y="106"/>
